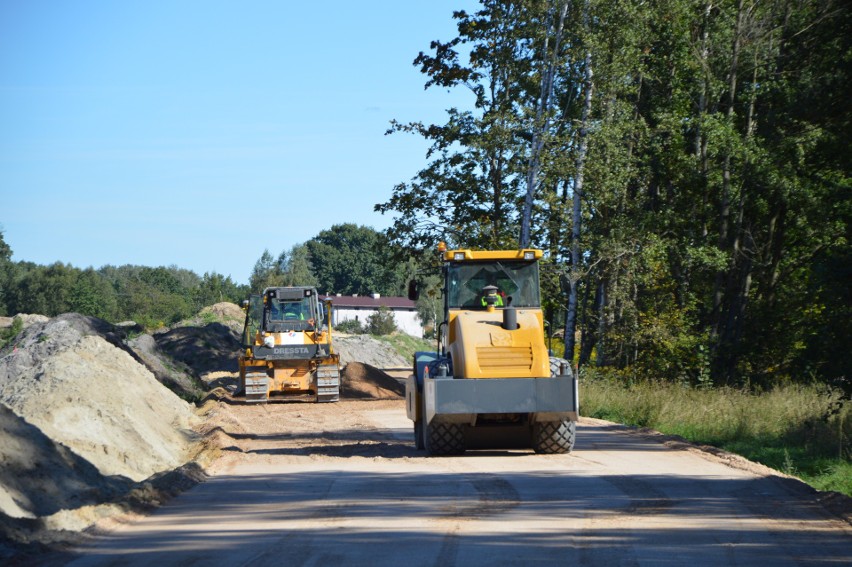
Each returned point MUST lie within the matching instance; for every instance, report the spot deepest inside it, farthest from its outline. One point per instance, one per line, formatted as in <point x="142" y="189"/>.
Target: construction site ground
<point x="298" y="483"/>
<point x="306" y="484"/>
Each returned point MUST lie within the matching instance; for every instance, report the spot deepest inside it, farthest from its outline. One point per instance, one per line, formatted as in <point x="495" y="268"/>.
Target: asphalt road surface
<point x="341" y="484"/>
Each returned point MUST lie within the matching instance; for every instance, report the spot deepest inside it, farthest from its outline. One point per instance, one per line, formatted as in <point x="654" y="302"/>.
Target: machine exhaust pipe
<point x="510" y="319"/>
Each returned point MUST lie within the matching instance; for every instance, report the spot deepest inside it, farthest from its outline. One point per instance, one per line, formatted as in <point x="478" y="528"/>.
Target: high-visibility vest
<point x="498" y="304"/>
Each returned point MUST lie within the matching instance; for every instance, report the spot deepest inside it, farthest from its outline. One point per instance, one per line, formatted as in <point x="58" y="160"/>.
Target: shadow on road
<point x="368" y="517"/>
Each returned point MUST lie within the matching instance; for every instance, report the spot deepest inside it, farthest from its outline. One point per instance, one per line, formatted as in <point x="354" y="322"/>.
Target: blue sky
<point x="199" y="132"/>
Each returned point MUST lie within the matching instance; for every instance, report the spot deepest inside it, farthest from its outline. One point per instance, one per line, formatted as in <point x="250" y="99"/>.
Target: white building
<point x="360" y="307"/>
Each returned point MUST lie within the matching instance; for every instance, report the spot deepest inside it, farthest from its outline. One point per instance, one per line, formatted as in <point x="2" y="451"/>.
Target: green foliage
<point x="406" y="345"/>
<point x="6" y="272"/>
<point x="470" y="193"/>
<point x="265" y="274"/>
<point x="293" y="268"/>
<point x="381" y="322"/>
<point x="216" y="288"/>
<point x="296" y="267"/>
<point x="93" y="295"/>
<point x="5" y="249"/>
<point x="430" y="305"/>
<point x="712" y="234"/>
<point x="351" y="259"/>
<point x="152" y="297"/>
<point x="8" y="334"/>
<point x="351" y="326"/>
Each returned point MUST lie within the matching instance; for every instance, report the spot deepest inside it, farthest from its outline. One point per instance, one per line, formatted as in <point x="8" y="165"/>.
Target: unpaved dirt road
<point x="341" y="484"/>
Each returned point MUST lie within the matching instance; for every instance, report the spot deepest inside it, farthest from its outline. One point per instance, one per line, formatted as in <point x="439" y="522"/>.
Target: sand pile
<point x="39" y="477"/>
<point x="226" y="313"/>
<point x="363" y="348"/>
<point x="183" y="358"/>
<point x="361" y="380"/>
<point x="73" y="380"/>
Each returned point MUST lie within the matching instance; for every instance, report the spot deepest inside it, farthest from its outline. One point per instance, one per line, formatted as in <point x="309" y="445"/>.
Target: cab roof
<point x="466" y="255"/>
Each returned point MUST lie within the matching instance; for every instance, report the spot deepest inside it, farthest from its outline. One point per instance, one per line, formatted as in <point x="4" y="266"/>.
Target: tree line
<point x="152" y="297"/>
<point x="346" y="259"/>
<point x="684" y="163"/>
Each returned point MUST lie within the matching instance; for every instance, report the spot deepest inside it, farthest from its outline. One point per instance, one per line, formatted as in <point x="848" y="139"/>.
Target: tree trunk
<point x="724" y="363"/>
<point x="701" y="140"/>
<point x="540" y="129"/>
<point x="497" y="197"/>
<point x="602" y="324"/>
<point x="574" y="278"/>
<point x="587" y="334"/>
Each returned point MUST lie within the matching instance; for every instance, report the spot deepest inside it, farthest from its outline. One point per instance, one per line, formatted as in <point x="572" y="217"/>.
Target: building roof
<point x="370" y="302"/>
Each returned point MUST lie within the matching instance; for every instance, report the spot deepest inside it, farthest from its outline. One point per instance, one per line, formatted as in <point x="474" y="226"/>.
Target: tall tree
<point x="216" y="288"/>
<point x="92" y="294"/>
<point x="266" y="273"/>
<point x="296" y="267"/>
<point x="468" y="194"/>
<point x="349" y="259"/>
<point x="549" y="61"/>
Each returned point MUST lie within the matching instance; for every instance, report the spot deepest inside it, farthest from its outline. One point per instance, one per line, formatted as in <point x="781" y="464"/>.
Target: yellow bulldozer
<point x="492" y="382"/>
<point x="287" y="348"/>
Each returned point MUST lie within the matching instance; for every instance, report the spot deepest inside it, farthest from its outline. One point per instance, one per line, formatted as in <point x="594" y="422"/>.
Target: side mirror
<point x="413" y="292"/>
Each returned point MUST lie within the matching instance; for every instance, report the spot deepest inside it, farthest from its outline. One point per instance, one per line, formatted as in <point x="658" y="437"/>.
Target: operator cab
<point x="503" y="283"/>
<point x="282" y="310"/>
<point x="291" y="309"/>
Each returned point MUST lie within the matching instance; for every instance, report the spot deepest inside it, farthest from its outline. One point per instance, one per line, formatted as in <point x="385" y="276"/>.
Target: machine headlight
<point x="269" y="341"/>
<point x="458" y="256"/>
<point x="529" y="255"/>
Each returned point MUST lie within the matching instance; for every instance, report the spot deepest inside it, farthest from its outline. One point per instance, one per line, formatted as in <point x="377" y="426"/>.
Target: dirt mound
<point x="364" y="348"/>
<point x="73" y="379"/>
<point x="211" y="348"/>
<point x="39" y="477"/>
<point x="361" y="380"/>
<point x="173" y="374"/>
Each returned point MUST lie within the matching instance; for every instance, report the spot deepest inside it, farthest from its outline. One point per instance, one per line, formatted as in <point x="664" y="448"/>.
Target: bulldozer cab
<point x="516" y="283"/>
<point x="291" y="309"/>
<point x="280" y="310"/>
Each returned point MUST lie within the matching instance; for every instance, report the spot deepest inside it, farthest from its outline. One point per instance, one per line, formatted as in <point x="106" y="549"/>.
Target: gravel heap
<point x="363" y="348"/>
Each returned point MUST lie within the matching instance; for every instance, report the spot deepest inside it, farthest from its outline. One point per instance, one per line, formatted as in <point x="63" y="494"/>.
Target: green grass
<point x="801" y="430"/>
<point x="8" y="334"/>
<point x="406" y="345"/>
